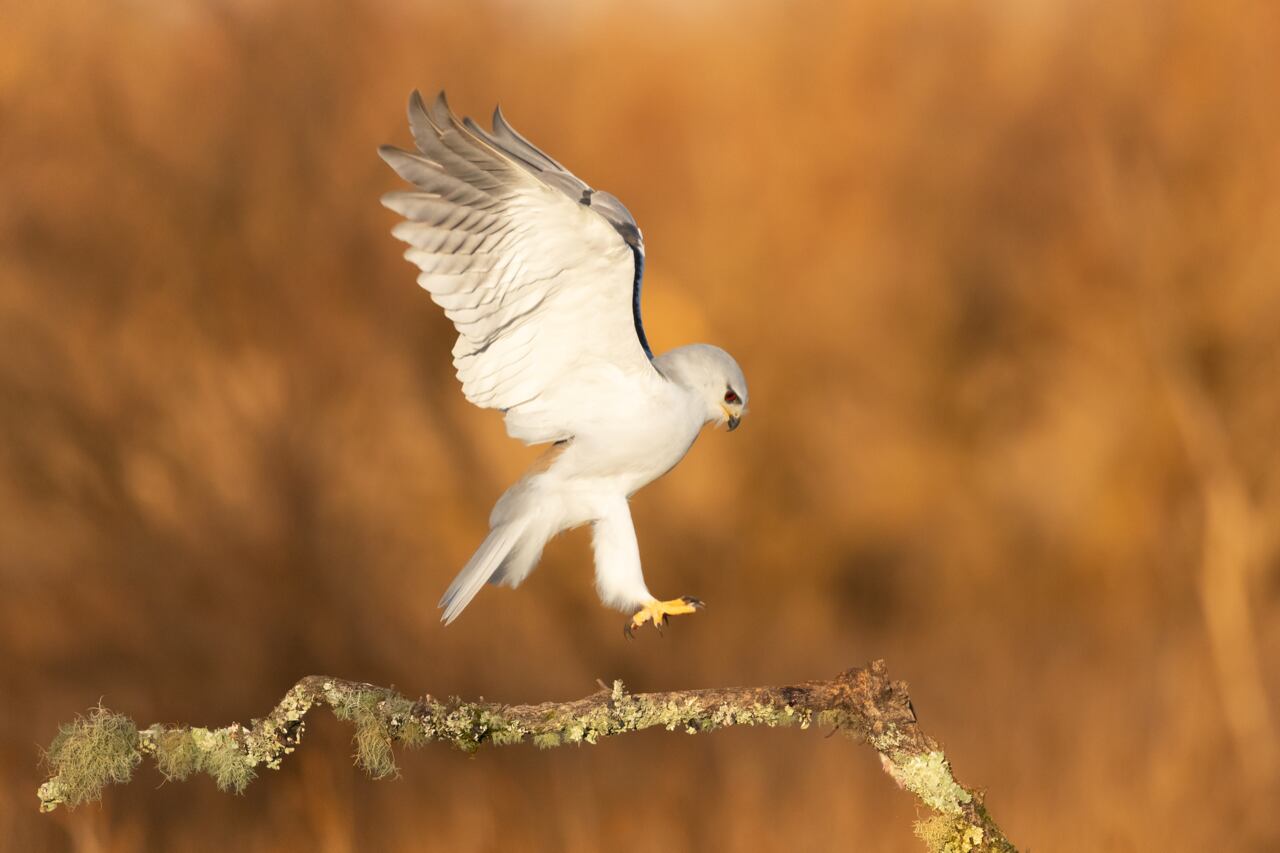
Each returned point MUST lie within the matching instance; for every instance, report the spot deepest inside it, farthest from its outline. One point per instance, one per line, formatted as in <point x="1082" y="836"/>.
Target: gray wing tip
<point x="395" y="200"/>
<point x="499" y="122"/>
<point x="390" y="152"/>
<point x="397" y="158"/>
<point x="417" y="107"/>
<point x="441" y="114"/>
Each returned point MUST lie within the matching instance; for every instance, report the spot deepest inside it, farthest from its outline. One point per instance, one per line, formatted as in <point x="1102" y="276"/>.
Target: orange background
<point x="1005" y="281"/>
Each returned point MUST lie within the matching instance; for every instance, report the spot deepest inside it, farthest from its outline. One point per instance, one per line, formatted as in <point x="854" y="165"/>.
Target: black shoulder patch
<point x="637" y="256"/>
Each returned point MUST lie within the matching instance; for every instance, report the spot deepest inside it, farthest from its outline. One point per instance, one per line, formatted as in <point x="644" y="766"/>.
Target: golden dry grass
<point x="1004" y="278"/>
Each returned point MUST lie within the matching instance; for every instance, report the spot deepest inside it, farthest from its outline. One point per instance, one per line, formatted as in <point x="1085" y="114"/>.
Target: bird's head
<point x="713" y="376"/>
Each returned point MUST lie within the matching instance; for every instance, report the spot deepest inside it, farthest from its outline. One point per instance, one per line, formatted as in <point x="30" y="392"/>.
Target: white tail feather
<point x="483" y="564"/>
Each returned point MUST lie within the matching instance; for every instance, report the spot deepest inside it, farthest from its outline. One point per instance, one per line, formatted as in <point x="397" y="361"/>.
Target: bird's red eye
<point x="731" y="397"/>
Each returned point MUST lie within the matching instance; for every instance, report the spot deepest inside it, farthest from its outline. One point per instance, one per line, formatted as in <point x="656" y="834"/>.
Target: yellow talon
<point x="658" y="611"/>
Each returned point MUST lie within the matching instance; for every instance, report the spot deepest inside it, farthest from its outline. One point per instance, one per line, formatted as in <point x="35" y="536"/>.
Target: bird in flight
<point x="540" y="275"/>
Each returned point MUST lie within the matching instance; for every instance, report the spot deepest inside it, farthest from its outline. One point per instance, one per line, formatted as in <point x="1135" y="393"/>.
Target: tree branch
<point x="104" y="747"/>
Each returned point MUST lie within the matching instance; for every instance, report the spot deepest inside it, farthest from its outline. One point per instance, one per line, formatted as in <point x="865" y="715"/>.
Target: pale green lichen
<point x="755" y="715"/>
<point x="887" y="740"/>
<point x="223" y="758"/>
<point x="943" y="834"/>
<point x="367" y="710"/>
<point x="830" y="719"/>
<point x="177" y="755"/>
<point x="546" y="740"/>
<point x="412" y="734"/>
<point x="87" y="754"/>
<point x="506" y="738"/>
<point x="373" y="747"/>
<point x="928" y="776"/>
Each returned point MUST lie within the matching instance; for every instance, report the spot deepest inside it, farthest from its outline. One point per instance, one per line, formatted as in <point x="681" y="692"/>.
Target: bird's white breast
<point x="633" y="439"/>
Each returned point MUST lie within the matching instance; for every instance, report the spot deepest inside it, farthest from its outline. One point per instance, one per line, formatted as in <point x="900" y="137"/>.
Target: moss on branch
<point x="103" y="747"/>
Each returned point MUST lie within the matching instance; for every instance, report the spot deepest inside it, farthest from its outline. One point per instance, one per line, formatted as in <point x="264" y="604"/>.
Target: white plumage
<point x="540" y="275"/>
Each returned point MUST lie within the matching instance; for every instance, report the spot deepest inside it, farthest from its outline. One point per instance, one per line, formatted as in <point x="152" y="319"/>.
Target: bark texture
<point x="104" y="747"/>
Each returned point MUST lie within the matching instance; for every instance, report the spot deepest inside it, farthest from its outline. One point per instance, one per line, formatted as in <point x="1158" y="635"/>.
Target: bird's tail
<point x="485" y="564"/>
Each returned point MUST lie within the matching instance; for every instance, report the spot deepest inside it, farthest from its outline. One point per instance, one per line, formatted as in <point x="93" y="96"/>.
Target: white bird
<point x="540" y="274"/>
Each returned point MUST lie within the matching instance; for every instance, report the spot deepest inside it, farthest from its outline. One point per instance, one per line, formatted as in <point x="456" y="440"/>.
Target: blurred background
<point x="1005" y="280"/>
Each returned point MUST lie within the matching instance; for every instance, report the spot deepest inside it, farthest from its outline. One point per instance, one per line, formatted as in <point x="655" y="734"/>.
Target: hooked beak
<point x="734" y="420"/>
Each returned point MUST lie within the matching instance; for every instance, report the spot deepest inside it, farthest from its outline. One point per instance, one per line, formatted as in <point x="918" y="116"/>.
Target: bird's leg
<point x="658" y="611"/>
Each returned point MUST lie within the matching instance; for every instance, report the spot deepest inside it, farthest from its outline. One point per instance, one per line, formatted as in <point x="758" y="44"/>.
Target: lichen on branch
<point x="103" y="747"/>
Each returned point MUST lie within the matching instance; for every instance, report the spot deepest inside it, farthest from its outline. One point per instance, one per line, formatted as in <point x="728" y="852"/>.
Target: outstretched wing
<point x="539" y="273"/>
